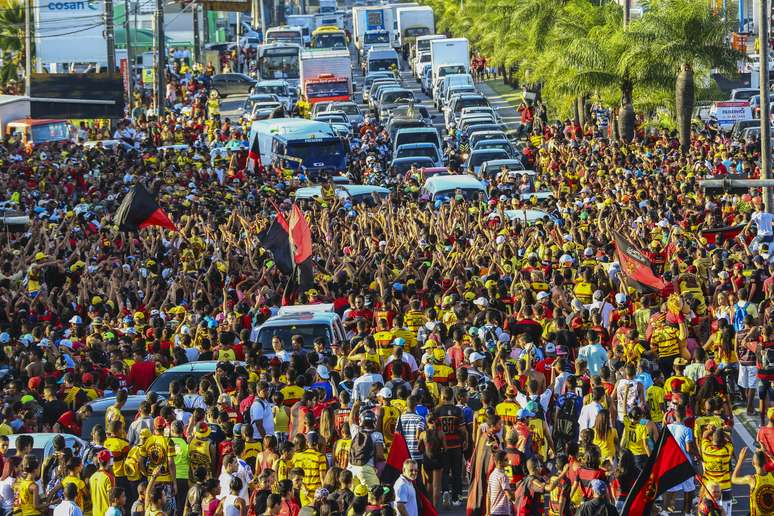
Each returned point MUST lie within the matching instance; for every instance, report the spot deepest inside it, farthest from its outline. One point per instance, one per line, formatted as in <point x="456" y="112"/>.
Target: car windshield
<point x="402" y="167"/>
<point x="393" y="96"/>
<point x="50" y="132"/>
<point x="479" y="157"/>
<point x="381" y="64"/>
<point x="308" y="332"/>
<point x="327" y="89"/>
<point x="468" y="194"/>
<point x="419" y="137"/>
<point x="429" y="152"/>
<point x="417" y="31"/>
<point x="350" y="109"/>
<point x="375" y="38"/>
<point x="367" y="198"/>
<point x="468" y="102"/>
<point x="278" y="90"/>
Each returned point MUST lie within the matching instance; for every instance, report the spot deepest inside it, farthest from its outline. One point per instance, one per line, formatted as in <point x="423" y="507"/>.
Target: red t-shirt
<point x="141" y="375"/>
<point x="766" y="438"/>
<point x="69" y="423"/>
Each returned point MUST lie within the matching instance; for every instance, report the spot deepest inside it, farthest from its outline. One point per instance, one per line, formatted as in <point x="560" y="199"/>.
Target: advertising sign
<point x="728" y="112"/>
<point x="228" y="5"/>
<point x="148" y="76"/>
<point x="70" y="32"/>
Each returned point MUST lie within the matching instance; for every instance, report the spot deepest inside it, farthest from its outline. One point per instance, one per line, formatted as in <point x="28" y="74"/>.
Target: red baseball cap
<point x="159" y="422"/>
<point x="104" y="456"/>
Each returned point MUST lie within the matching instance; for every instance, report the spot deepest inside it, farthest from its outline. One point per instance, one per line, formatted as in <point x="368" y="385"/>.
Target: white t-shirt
<point x="67" y="508"/>
<point x="262" y="410"/>
<point x="763" y="221"/>
<point x="407" y="495"/>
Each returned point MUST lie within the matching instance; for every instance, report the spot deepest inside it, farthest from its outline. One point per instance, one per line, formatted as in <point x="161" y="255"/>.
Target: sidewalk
<point x="502" y="97"/>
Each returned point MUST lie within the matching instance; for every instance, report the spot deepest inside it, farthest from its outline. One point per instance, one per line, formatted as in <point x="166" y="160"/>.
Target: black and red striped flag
<point x="666" y="467"/>
<point x="139" y="210"/>
<point x="635" y="266"/>
<point x="715" y="235"/>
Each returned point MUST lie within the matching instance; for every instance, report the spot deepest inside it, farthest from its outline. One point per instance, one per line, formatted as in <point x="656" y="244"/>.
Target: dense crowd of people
<point x="522" y="367"/>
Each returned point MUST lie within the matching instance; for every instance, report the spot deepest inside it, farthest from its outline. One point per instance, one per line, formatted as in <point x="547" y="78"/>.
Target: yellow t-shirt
<point x="717" y="463"/>
<point x="23" y="501"/>
<point x="158" y="449"/>
<point x="314" y="464"/>
<point x="80" y="498"/>
<point x="341" y="453"/>
<point x="100" y="485"/>
<point x="607" y="446"/>
<point x="132" y="463"/>
<point x="654" y="399"/>
<point x="507" y="410"/>
<point x="282" y="467"/>
<point x="120" y="449"/>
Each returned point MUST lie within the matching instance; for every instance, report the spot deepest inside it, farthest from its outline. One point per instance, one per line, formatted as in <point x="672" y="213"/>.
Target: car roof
<point x="527" y="215"/>
<point x="272" y="82"/>
<point x="40" y="439"/>
<point x="439" y="183"/>
<point x="417" y="130"/>
<point x="500" y="162"/>
<point x="415" y="145"/>
<point x="300" y="318"/>
<point x="364" y="189"/>
<point x="413" y="159"/>
<point x="133" y="402"/>
<point x="201" y="366"/>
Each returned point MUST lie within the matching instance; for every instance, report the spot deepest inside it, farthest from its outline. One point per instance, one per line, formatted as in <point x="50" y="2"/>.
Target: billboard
<point x="70" y="32"/>
<point x="72" y="95"/>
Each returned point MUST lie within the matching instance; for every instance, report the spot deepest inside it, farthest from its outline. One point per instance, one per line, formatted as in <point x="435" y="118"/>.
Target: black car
<point x="233" y="84"/>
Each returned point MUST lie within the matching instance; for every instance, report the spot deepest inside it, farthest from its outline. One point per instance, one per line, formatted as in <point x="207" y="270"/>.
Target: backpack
<point x="524" y="499"/>
<point x="362" y="449"/>
<point x="740" y="313"/>
<point x="566" y="424"/>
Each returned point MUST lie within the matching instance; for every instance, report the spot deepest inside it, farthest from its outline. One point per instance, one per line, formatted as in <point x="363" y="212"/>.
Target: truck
<point x="372" y="26"/>
<point x="327" y="20"/>
<point x="306" y="22"/>
<point x="305" y="145"/>
<point x="391" y="11"/>
<point x="327" y="6"/>
<point x="16" y="121"/>
<point x="449" y="56"/>
<point x="412" y="23"/>
<point x="326" y="75"/>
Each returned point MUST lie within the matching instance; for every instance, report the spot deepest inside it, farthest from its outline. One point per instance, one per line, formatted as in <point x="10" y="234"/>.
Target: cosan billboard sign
<point x="70" y="32"/>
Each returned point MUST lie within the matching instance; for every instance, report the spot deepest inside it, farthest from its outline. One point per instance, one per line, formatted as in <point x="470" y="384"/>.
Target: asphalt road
<point x="742" y="437"/>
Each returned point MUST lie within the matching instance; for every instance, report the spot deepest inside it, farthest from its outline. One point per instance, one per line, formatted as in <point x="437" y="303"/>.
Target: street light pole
<point x="763" y="38"/>
<point x="27" y="47"/>
<point x="160" y="57"/>
<point x="129" y="57"/>
<point x="110" y="37"/>
<point x="196" y="41"/>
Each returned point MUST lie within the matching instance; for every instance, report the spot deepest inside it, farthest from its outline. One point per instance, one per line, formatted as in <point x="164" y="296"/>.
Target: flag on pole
<point x="139" y="210"/>
<point x="635" y="266"/>
<point x="666" y="467"/>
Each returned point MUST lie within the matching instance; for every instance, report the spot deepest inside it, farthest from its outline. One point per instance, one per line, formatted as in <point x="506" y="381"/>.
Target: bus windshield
<point x="285" y="36"/>
<point x="50" y="132"/>
<point x="279" y="66"/>
<point x="330" y="40"/>
<point x="378" y="65"/>
<point x="327" y="89"/>
<point x="325" y="151"/>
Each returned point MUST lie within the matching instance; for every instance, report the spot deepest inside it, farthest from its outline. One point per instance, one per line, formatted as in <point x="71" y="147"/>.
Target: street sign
<point x="230" y="5"/>
<point x="148" y="76"/>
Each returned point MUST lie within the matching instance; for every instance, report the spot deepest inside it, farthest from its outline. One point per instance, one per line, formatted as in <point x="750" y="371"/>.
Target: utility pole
<point x="763" y="35"/>
<point x="196" y="42"/>
<point x="206" y="22"/>
<point x="27" y="47"/>
<point x="129" y="57"/>
<point x="110" y="36"/>
<point x="238" y="49"/>
<point x="627" y="13"/>
<point x="160" y="56"/>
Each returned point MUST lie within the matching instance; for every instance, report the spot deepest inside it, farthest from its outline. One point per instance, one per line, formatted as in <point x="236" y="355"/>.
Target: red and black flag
<point x="290" y="243"/>
<point x="666" y="467"/>
<point x="254" y="155"/>
<point x="635" y="266"/>
<point x="139" y="210"/>
<point x="399" y="453"/>
<point x="716" y="235"/>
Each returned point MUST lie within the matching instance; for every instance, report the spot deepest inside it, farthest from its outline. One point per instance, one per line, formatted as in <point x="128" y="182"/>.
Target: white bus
<point x="279" y="61"/>
<point x="285" y="34"/>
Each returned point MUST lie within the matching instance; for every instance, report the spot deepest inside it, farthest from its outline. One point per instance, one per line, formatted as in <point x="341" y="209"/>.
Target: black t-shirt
<point x="52" y="410"/>
<point x="451" y="421"/>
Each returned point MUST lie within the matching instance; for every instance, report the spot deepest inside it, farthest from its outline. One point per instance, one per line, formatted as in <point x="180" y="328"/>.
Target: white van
<point x="445" y="188"/>
<point x="308" y="321"/>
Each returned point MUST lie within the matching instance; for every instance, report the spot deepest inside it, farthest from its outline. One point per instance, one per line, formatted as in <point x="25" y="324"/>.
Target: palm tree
<point x="11" y="39"/>
<point x="688" y="38"/>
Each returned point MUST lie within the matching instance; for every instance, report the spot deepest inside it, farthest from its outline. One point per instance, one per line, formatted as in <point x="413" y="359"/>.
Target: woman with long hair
<point x="328" y="431"/>
<point x="265" y="459"/>
<point x="605" y="438"/>
<point x="624" y="476"/>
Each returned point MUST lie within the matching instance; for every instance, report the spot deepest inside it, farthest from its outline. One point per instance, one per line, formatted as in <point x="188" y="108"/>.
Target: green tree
<point x="688" y="39"/>
<point x="11" y="39"/>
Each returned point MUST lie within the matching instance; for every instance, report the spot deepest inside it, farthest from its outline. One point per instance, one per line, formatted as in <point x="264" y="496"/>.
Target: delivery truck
<point x="412" y="23"/>
<point x="449" y="56"/>
<point x="372" y="26"/>
<point x="307" y="22"/>
<point x="392" y="15"/>
<point x="326" y="75"/>
<point x="16" y="122"/>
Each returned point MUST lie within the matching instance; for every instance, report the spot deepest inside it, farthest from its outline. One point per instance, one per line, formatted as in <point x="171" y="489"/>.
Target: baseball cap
<point x="550" y="348"/>
<point x="481" y="301"/>
<point x="476" y="356"/>
<point x="542" y="295"/>
<point x="368" y="416"/>
<point x="361" y="490"/>
<point x="159" y="422"/>
<point x="202" y="430"/>
<point x="104" y="456"/>
<point x="323" y="372"/>
<point x="598" y="486"/>
<point x="524" y="413"/>
<point x="385" y="392"/>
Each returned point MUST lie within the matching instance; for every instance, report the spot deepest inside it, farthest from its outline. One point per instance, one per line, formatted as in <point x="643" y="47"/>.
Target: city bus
<point x="279" y="61"/>
<point x="329" y="36"/>
<point x="285" y="34"/>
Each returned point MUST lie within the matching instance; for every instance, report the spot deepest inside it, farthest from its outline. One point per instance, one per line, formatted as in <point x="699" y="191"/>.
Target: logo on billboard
<point x="72" y="6"/>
